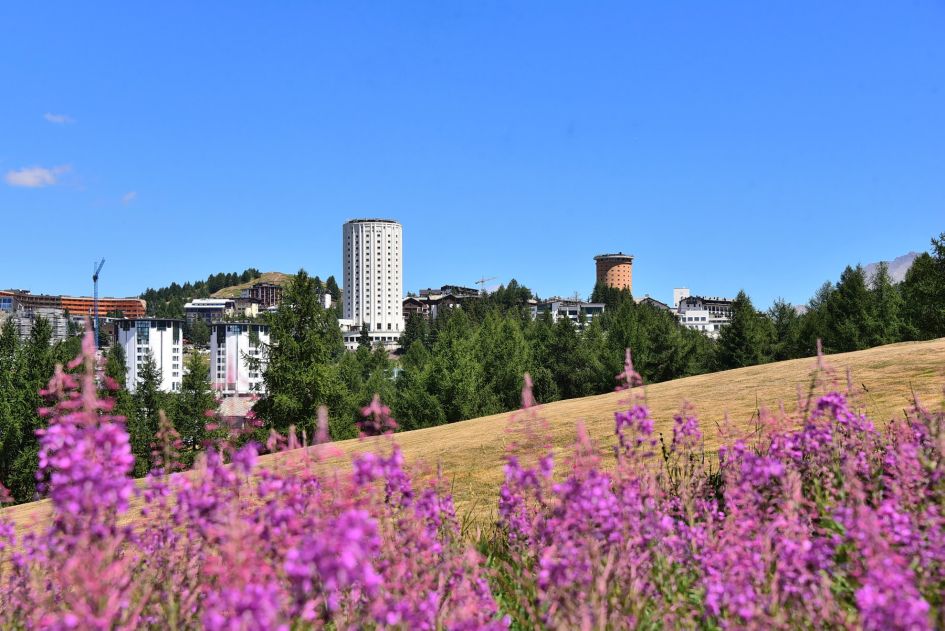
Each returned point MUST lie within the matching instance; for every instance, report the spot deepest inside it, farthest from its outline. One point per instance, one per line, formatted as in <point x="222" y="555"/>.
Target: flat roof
<point x="373" y="220"/>
<point x="618" y="255"/>
<point x="208" y="302"/>
<point x="147" y="319"/>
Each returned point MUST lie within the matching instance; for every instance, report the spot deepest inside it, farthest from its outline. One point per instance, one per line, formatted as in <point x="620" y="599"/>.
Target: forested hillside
<point x="168" y="302"/>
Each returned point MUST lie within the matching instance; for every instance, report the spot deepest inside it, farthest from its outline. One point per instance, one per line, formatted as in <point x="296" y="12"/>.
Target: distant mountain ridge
<point x="897" y="267"/>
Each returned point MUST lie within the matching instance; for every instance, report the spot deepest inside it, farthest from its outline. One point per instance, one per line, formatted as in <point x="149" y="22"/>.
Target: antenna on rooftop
<point x="98" y="268"/>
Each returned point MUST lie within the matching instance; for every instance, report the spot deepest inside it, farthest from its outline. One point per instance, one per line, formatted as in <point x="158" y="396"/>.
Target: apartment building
<point x="161" y="338"/>
<point x="233" y="347"/>
<point x="372" y="260"/>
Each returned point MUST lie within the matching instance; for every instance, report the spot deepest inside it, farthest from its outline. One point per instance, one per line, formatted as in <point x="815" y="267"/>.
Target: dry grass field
<point x="266" y="277"/>
<point x="471" y="452"/>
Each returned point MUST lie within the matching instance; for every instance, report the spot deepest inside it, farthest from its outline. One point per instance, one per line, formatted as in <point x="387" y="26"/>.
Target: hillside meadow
<point x="471" y="454"/>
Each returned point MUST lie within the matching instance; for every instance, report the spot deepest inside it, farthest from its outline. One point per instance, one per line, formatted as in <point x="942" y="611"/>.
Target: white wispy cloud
<point x="129" y="197"/>
<point x="35" y="177"/>
<point x="58" y="119"/>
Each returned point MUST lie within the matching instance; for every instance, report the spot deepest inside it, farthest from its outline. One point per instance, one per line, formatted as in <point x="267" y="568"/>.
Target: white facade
<point x="231" y="344"/>
<point x="707" y="315"/>
<point x="209" y="309"/>
<point x="570" y="309"/>
<point x="162" y="338"/>
<point x="372" y="252"/>
<point x="678" y="294"/>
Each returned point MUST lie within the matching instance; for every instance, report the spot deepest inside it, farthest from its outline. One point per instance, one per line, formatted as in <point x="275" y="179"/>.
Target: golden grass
<point x="471" y="452"/>
<point x="233" y="291"/>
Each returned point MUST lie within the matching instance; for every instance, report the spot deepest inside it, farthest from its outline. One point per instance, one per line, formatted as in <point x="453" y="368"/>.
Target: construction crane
<point x="482" y="283"/>
<point x="98" y="268"/>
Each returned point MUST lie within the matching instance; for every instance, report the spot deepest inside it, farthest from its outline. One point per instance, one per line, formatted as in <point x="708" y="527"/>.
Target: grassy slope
<point x="268" y="277"/>
<point x="471" y="452"/>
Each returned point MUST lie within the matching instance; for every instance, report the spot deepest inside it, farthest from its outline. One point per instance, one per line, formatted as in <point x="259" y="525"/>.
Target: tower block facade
<point x="615" y="270"/>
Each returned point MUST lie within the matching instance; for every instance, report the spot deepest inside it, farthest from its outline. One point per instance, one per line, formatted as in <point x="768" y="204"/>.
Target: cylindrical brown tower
<point x="615" y="270"/>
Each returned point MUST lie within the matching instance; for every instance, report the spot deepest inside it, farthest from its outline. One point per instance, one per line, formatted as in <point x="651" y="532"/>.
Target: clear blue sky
<point x="755" y="145"/>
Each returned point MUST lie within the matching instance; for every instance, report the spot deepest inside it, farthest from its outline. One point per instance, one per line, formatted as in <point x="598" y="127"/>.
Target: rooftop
<point x="147" y="319"/>
<point x="208" y="302"/>
<point x="706" y="299"/>
<point x="373" y="220"/>
<point x="617" y="256"/>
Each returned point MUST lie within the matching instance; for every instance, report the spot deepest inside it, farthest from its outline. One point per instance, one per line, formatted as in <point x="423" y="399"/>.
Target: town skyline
<point x="665" y="294"/>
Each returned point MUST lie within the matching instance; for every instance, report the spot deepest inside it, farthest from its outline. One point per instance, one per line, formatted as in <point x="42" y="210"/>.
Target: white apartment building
<point x="571" y="309"/>
<point x="232" y="344"/>
<point x="372" y="253"/>
<point x="701" y="313"/>
<point x="162" y="338"/>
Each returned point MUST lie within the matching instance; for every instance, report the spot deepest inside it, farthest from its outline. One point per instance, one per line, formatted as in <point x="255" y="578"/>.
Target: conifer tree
<point x="148" y="402"/>
<point x="416" y="329"/>
<point x="538" y="335"/>
<point x="199" y="333"/>
<point x="115" y="364"/>
<point x="786" y="330"/>
<point x="414" y="406"/>
<point x="849" y="318"/>
<point x="745" y="340"/>
<point x="923" y="292"/>
<point x="195" y="398"/>
<point x="814" y="323"/>
<point x="364" y="340"/>
<point x="503" y="354"/>
<point x="331" y="286"/>
<point x="301" y="373"/>
<point x="457" y="378"/>
<point x="885" y="308"/>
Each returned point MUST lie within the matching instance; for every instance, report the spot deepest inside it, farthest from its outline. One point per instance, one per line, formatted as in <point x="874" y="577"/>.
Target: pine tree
<point x="12" y="423"/>
<point x="31" y="365"/>
<point x="194" y="399"/>
<point x="885" y="308"/>
<point x="610" y="296"/>
<point x="539" y="334"/>
<point x="115" y="364"/>
<point x="416" y="329"/>
<point x="814" y="322"/>
<point x="414" y="406"/>
<point x="849" y="320"/>
<point x="665" y="351"/>
<point x="566" y="359"/>
<point x="503" y="354"/>
<point x="199" y="333"/>
<point x="364" y="340"/>
<point x="457" y="378"/>
<point x="745" y="341"/>
<point x="331" y="286"/>
<point x="9" y="343"/>
<point x="786" y="325"/>
<point x="301" y="374"/>
<point x="923" y="292"/>
<point x="148" y="402"/>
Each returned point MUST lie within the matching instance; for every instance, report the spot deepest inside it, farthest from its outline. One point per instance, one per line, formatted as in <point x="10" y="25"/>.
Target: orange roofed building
<point x="75" y="305"/>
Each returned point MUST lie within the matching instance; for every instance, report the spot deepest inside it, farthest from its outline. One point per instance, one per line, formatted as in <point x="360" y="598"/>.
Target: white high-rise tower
<point x="372" y="250"/>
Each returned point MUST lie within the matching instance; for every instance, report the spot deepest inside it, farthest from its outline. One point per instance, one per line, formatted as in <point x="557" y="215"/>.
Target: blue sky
<point x="726" y="145"/>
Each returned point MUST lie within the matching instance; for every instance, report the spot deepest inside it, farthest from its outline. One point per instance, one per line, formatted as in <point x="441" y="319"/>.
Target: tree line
<point x="26" y="367"/>
<point x="168" y="302"/>
<point x="469" y="361"/>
